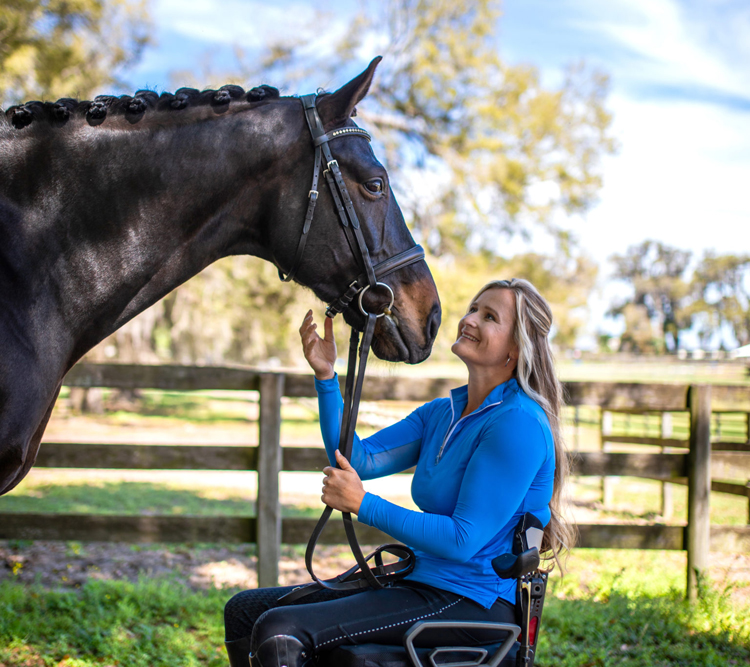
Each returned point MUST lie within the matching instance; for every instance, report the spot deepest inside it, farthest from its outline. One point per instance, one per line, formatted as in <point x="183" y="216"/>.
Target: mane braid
<point x="57" y="114"/>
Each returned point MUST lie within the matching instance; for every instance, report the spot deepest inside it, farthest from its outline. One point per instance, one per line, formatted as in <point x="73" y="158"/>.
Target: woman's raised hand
<point x="319" y="352"/>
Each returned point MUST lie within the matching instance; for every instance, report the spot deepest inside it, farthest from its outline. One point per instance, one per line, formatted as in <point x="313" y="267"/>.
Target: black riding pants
<point x="326" y="619"/>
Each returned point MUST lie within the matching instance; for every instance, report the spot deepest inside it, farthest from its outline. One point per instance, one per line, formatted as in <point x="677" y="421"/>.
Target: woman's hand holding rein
<point x="319" y="352"/>
<point x="342" y="487"/>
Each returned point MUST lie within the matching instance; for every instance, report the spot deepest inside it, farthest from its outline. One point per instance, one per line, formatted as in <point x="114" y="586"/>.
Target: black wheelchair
<point x="516" y="645"/>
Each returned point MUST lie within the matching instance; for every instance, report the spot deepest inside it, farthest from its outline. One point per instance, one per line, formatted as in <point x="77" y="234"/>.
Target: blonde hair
<point x="535" y="373"/>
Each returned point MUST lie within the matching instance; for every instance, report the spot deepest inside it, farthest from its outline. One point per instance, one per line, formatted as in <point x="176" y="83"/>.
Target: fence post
<point x="268" y="536"/>
<point x="667" y="503"/>
<point x="607" y="482"/>
<point x="699" y="487"/>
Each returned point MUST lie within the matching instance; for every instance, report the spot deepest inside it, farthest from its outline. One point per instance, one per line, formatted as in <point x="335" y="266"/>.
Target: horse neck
<point x="115" y="218"/>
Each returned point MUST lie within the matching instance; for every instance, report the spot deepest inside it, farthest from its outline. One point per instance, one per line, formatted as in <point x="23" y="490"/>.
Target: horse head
<point x="331" y="258"/>
<point x="162" y="186"/>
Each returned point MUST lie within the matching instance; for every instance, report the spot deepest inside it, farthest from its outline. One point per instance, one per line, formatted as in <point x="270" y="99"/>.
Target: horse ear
<point x="337" y="107"/>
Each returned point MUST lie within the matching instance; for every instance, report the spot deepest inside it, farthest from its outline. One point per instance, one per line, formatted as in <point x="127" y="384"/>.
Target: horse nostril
<point x="433" y="322"/>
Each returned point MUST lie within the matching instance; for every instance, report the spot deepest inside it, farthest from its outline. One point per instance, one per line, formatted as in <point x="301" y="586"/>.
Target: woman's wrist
<point x="325" y="375"/>
<point x="357" y="505"/>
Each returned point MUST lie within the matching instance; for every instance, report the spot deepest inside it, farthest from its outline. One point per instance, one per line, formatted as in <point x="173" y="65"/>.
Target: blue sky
<point x="680" y="95"/>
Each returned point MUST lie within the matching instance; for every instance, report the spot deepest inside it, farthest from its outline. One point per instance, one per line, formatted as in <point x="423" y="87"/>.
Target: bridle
<point x="371" y="275"/>
<point x="361" y="575"/>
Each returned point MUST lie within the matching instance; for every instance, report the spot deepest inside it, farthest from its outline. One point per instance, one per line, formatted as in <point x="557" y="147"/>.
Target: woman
<point x="483" y="458"/>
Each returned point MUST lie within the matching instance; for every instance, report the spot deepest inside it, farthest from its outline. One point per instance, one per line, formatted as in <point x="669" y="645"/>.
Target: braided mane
<point x="133" y="107"/>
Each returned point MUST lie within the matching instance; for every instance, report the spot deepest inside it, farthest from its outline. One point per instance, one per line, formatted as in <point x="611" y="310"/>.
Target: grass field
<point x="612" y="608"/>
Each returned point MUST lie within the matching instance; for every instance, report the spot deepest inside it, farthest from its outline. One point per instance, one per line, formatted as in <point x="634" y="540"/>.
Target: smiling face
<point x="485" y="333"/>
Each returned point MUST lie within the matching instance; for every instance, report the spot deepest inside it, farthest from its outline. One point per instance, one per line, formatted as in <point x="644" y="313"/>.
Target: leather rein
<point x="362" y="574"/>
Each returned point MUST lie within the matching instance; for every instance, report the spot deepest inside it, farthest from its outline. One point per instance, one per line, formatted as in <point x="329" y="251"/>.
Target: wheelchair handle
<point x="510" y="566"/>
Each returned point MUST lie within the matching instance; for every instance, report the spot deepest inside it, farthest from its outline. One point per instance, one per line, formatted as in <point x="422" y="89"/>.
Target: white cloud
<point x="680" y="177"/>
<point x="674" y="44"/>
<point x="232" y="21"/>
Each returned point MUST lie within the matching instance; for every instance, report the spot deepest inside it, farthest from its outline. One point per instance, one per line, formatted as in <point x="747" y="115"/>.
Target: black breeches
<point x="327" y="619"/>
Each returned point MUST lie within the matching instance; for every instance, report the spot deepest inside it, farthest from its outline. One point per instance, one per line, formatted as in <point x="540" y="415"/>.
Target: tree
<point x="721" y="291"/>
<point x="478" y="149"/>
<point x="656" y="273"/>
<point x="236" y="310"/>
<point x="62" y="48"/>
<point x="638" y="337"/>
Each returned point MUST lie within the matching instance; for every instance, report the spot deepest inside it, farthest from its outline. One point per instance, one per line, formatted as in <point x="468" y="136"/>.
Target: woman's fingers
<point x="319" y="352"/>
<point x="308" y="332"/>
<point x="342" y="487"/>
<point x="328" y="329"/>
<point x="306" y="321"/>
<point x="343" y="462"/>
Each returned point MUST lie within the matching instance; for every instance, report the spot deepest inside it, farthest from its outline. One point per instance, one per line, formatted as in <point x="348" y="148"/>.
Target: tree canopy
<point x="721" y="295"/>
<point x="656" y="272"/>
<point x="479" y="149"/>
<point x="65" y="48"/>
<point x="673" y="294"/>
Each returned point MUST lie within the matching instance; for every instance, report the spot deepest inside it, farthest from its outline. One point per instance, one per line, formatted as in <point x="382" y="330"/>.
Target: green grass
<point x="628" y="608"/>
<point x="145" y="624"/>
<point x="612" y="608"/>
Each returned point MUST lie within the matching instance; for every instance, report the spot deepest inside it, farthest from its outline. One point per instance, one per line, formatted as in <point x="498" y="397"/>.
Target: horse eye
<point x="375" y="186"/>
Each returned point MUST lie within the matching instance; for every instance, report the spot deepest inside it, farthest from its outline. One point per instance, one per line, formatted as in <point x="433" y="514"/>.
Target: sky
<point x="680" y="98"/>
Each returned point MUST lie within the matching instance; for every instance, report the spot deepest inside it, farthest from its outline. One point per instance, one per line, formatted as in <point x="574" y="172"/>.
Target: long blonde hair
<point x="535" y="372"/>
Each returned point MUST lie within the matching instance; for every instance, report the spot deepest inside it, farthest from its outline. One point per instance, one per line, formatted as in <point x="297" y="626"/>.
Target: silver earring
<point x="507" y="362"/>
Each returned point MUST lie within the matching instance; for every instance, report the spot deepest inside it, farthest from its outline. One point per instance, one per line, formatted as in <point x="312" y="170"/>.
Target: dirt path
<point x="71" y="564"/>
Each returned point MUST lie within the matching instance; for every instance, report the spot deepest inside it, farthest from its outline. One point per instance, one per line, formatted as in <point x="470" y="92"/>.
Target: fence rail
<point x="241" y="529"/>
<point x="696" y="461"/>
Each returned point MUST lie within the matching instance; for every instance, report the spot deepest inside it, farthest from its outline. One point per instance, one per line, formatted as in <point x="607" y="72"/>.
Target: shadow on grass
<point x="155" y="622"/>
<point x="133" y="498"/>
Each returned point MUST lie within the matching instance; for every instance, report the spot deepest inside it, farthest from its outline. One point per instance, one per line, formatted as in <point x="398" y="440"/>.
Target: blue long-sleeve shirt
<point x="475" y="477"/>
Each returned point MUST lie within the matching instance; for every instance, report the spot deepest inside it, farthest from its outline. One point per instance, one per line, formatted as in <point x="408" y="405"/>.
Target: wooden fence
<point x="694" y="460"/>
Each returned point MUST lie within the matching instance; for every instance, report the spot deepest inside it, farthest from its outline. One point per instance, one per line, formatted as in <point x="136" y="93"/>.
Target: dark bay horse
<point x="107" y="206"/>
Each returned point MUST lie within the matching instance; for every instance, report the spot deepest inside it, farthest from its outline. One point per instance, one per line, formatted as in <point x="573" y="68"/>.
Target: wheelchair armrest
<point x="510" y="566"/>
<point x="412" y="633"/>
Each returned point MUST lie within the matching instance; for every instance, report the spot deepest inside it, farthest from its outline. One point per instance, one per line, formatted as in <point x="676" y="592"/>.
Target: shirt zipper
<point x="450" y="433"/>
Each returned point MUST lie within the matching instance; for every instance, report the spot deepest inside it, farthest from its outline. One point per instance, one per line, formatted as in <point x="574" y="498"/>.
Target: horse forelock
<point x="134" y="108"/>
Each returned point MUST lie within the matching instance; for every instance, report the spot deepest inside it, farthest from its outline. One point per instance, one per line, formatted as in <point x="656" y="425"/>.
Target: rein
<point x="362" y="574"/>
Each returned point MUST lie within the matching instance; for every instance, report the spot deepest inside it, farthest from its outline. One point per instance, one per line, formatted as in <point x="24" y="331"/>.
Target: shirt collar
<point x="460" y="395"/>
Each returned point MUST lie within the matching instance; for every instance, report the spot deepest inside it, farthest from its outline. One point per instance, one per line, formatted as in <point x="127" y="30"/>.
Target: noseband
<point x="362" y="574"/>
<point x="371" y="276"/>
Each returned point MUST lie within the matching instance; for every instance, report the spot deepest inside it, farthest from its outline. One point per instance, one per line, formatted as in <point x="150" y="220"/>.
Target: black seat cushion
<point x="378" y="655"/>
